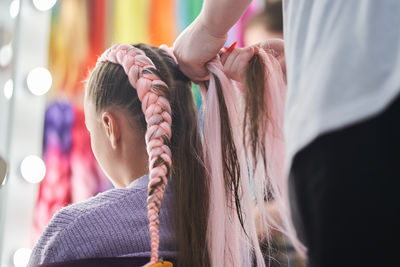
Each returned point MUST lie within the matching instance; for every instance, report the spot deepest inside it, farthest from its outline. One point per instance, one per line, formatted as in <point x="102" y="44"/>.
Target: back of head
<point x="267" y="24"/>
<point x="109" y="85"/>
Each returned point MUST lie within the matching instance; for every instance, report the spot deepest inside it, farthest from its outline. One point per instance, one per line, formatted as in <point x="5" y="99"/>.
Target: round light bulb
<point x="6" y="54"/>
<point x="14" y="8"/>
<point x="44" y="5"/>
<point x="21" y="257"/>
<point x="39" y="81"/>
<point x="8" y="89"/>
<point x="33" y="169"/>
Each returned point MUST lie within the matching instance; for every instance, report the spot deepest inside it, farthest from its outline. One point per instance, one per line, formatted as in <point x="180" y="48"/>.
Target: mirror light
<point x="33" y="169"/>
<point x="21" y="257"/>
<point x="8" y="89"/>
<point x="44" y="5"/>
<point x="39" y="81"/>
<point x="6" y="54"/>
<point x="14" y="8"/>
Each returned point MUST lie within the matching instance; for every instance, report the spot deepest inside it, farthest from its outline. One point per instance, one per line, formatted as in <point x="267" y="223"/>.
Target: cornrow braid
<point x="153" y="93"/>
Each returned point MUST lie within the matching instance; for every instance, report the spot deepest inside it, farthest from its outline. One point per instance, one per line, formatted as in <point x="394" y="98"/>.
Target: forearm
<point x="220" y="15"/>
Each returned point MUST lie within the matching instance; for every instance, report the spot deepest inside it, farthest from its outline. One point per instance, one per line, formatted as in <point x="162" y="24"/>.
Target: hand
<point x="235" y="62"/>
<point x="194" y="47"/>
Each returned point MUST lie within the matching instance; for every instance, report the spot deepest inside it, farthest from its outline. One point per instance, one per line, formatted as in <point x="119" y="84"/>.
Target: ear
<point x="112" y="128"/>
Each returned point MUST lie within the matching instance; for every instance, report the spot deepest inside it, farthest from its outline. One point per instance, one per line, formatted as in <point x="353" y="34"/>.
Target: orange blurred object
<point x="162" y="22"/>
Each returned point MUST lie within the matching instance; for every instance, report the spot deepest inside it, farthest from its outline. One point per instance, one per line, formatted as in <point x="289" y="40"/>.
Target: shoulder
<point x="74" y="229"/>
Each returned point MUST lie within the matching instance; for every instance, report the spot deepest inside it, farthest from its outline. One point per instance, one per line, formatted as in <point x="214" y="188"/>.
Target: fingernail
<point x="230" y="49"/>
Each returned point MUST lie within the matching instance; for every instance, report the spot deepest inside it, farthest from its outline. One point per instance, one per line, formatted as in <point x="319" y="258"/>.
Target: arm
<point x="201" y="41"/>
<point x="220" y="15"/>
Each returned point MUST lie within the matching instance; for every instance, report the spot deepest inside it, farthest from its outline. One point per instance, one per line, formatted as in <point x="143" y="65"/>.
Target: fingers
<point x="227" y="50"/>
<point x="197" y="72"/>
<point x="274" y="46"/>
<point x="236" y="62"/>
<point x="223" y="55"/>
<point x="232" y="57"/>
<point x="194" y="47"/>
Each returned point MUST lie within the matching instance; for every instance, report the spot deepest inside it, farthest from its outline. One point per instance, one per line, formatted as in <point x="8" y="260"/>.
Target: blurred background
<point x="47" y="48"/>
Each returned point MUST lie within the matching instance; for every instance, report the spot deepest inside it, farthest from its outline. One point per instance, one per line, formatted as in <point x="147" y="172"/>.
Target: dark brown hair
<point x="109" y="86"/>
<point x="230" y="161"/>
<point x="255" y="115"/>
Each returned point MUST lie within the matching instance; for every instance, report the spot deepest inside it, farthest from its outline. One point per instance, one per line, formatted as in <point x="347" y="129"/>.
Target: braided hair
<point x="146" y="81"/>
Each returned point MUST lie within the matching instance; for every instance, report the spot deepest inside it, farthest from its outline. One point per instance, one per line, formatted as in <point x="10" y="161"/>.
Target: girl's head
<point x="116" y="124"/>
<point x="151" y="129"/>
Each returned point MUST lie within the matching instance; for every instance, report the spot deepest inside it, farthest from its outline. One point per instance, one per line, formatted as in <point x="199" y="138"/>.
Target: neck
<point x="130" y="175"/>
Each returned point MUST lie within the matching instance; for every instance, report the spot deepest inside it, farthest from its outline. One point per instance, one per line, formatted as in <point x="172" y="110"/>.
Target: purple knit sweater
<point x="111" y="224"/>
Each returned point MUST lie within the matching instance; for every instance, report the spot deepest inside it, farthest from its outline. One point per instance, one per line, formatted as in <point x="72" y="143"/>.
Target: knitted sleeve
<point x="53" y="246"/>
<point x="72" y="228"/>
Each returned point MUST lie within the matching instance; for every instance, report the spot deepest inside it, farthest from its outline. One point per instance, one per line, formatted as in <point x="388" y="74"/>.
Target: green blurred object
<point x="195" y="8"/>
<point x="196" y="95"/>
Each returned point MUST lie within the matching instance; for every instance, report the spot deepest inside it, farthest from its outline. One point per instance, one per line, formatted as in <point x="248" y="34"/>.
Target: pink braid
<point x="157" y="110"/>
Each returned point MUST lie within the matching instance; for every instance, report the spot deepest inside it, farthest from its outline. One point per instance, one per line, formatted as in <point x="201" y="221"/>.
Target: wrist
<point x="206" y="23"/>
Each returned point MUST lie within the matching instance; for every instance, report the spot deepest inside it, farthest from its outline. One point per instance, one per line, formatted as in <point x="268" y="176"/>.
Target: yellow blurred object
<point x="161" y="264"/>
<point x="68" y="47"/>
<point x="131" y="20"/>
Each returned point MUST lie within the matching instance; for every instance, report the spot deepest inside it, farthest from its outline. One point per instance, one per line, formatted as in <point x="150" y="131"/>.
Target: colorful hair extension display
<point x="131" y="21"/>
<point x="69" y="46"/>
<point x="162" y="21"/>
<point x="72" y="172"/>
<point x="55" y="189"/>
<point x="96" y="30"/>
<point x="157" y="110"/>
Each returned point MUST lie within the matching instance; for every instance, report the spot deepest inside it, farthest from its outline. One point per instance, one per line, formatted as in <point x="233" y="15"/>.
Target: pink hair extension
<point x="223" y="249"/>
<point x="228" y="244"/>
<point x="157" y="112"/>
<point x="274" y="99"/>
